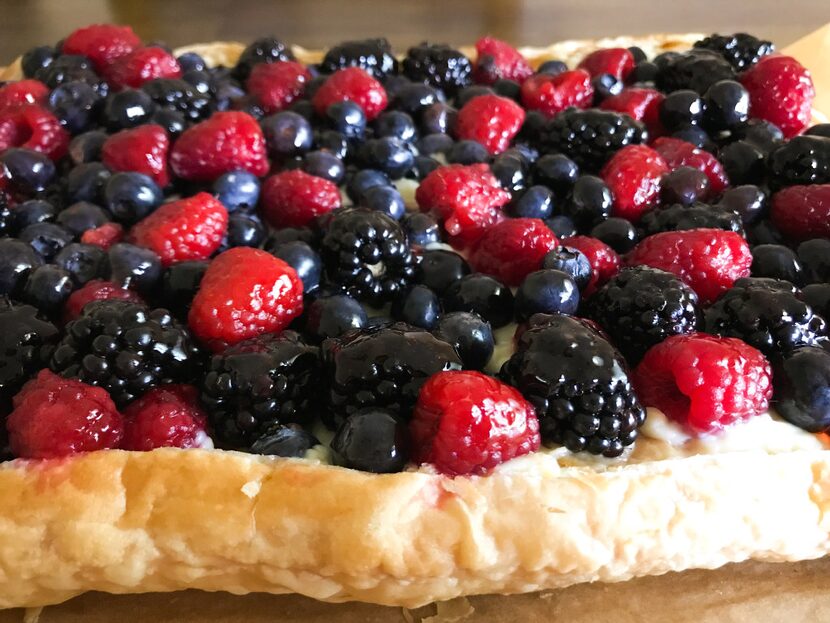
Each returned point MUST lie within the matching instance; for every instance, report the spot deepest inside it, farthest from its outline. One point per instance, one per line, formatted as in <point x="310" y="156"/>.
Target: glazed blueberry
<point x="467" y="152"/>
<point x="395" y="123"/>
<point x="726" y="104"/>
<point x="561" y="225"/>
<point x="82" y="216"/>
<point x="418" y="307"/>
<point x="237" y="189"/>
<point x="17" y="259"/>
<point x="695" y="135"/>
<point x="552" y="68"/>
<point x="589" y="202"/>
<point x="571" y="262"/>
<point x="304" y="260"/>
<point x="70" y="67"/>
<point x="173" y="122"/>
<point x="421" y="229"/>
<point x="763" y="232"/>
<point x="748" y="201"/>
<point x="643" y="72"/>
<point x="86" y="182"/>
<point x="438" y="269"/>
<point x="384" y="199"/>
<point x="777" y="262"/>
<point x="287" y="134"/>
<point x="482" y="294"/>
<point x="75" y="104"/>
<point x="47" y="288"/>
<point x="347" y="118"/>
<point x="680" y="109"/>
<point x="535" y="202"/>
<point x="37" y="58"/>
<point x="432" y="144"/>
<point x="617" y="233"/>
<point x="288" y="441"/>
<point x="31" y="212"/>
<point x="763" y="134"/>
<point x="83" y="261"/>
<point x="684" y="185"/>
<point x="390" y="155"/>
<point x="743" y="163"/>
<point x="508" y="88"/>
<point x="468" y="93"/>
<point x="424" y="165"/>
<point x="333" y="142"/>
<point x="179" y="285"/>
<point x="132" y="266"/>
<point x="363" y="180"/>
<point x="439" y="118"/>
<point x="331" y="316"/>
<point x="814" y="256"/>
<point x="802" y="388"/>
<point x="637" y="53"/>
<point x="245" y="229"/>
<point x="372" y="440"/>
<point x="128" y="108"/>
<point x="817" y="296"/>
<point x="46" y="238"/>
<point x="605" y="85"/>
<point x="190" y="61"/>
<point x="470" y="335"/>
<point x="324" y="164"/>
<point x="414" y="98"/>
<point x="28" y="171"/>
<point x="199" y="79"/>
<point x="131" y="196"/>
<point x="546" y="291"/>
<point x="86" y="147"/>
<point x="820" y="129"/>
<point x="557" y="172"/>
<point x="509" y="170"/>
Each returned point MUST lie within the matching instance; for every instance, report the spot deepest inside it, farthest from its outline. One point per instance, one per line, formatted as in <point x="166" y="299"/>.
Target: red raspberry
<point x="104" y="236"/>
<point x="468" y="423"/>
<point x="640" y="104"/>
<point x="498" y="59"/>
<point x="491" y="120"/>
<point x="276" y="85"/>
<point x="294" y="198"/>
<point x="228" y="141"/>
<point x="704" y="382"/>
<point x="708" y="260"/>
<point x="355" y="85"/>
<point x="619" y="62"/>
<point x="553" y="94"/>
<point x="633" y="174"/>
<point x="182" y="230"/>
<point x="678" y="153"/>
<point x="22" y="93"/>
<point x="802" y="212"/>
<point x="780" y="91"/>
<point x="96" y="290"/>
<point x="142" y="149"/>
<point x="513" y="249"/>
<point x="245" y="292"/>
<point x="605" y="263"/>
<point x="101" y="43"/>
<point x="55" y="417"/>
<point x="142" y="65"/>
<point x="466" y="198"/>
<point x="168" y="416"/>
<point x="34" y="128"/>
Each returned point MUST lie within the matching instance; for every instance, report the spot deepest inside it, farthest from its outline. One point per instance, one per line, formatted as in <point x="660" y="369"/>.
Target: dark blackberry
<point x="678" y="217"/>
<point x="367" y="252"/>
<point x="438" y="65"/>
<point x="697" y="70"/>
<point x="741" y="50"/>
<point x="766" y="314"/>
<point x="8" y="227"/>
<point x="641" y="307"/>
<point x="25" y="344"/>
<point x="374" y="56"/>
<point x="263" y="50"/>
<point x="179" y="96"/>
<point x="591" y="137"/>
<point x="578" y="384"/>
<point x="260" y="382"/>
<point x="381" y="367"/>
<point x="801" y="160"/>
<point x="126" y="349"/>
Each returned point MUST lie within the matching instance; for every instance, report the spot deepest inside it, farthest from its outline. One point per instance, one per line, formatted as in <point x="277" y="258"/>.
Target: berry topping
<point x="142" y="149"/>
<point x="498" y="60"/>
<point x="491" y="120"/>
<point x="439" y="66"/>
<point x="352" y="84"/>
<point x="679" y="153"/>
<point x="101" y="43"/>
<point x="802" y="212"/>
<point x="33" y="127"/>
<point x="802" y="389"/>
<point x="619" y="62"/>
<point x="295" y="198"/>
<point x="781" y="92"/>
<point x="275" y="86"/>
<point x="604" y="261"/>
<point x="165" y="417"/>
<point x="551" y="94"/>
<point x="372" y="440"/>
<point x="512" y="249"/>
<point x="633" y="174"/>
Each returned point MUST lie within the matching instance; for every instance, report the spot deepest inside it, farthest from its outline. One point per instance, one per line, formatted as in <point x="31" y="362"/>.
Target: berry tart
<point x="401" y="328"/>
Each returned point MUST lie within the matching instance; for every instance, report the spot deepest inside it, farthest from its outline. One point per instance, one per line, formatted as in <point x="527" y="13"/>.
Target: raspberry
<point x="512" y="249"/>
<point x="491" y="120"/>
<point x="295" y="198"/>
<point x="275" y="85"/>
<point x="499" y="60"/>
<point x="640" y="104"/>
<point x="619" y="62"/>
<point x="185" y="229"/>
<point x="633" y="174"/>
<point x="708" y="260"/>
<point x="704" y="382"/>
<point x="678" y="153"/>
<point x="552" y="94"/>
<point x="96" y="290"/>
<point x="245" y="292"/>
<point x="465" y="198"/>
<point x="33" y="127"/>
<point x="23" y="93"/>
<point x="166" y="417"/>
<point x="142" y="65"/>
<point x="351" y="84"/>
<point x="802" y="212"/>
<point x="142" y="149"/>
<point x="780" y="91"/>
<point x="605" y="263"/>
<point x="104" y="236"/>
<point x="101" y="43"/>
<point x="468" y="423"/>
<point x="55" y="417"/>
<point x="228" y="141"/>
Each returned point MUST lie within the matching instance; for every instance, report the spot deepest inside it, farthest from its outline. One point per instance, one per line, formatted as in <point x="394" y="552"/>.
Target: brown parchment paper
<point x="750" y="591"/>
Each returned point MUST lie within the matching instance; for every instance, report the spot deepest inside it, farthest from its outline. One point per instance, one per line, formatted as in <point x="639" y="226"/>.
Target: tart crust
<point x="130" y="522"/>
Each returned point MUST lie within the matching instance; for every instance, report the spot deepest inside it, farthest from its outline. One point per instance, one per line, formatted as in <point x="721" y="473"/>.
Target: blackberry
<point x="126" y="349"/>
<point x="259" y="383"/>
<point x="381" y="367"/>
<point x="697" y="70"/>
<point x="374" y="56"/>
<point x="178" y="96"/>
<point x="678" y="217"/>
<point x="641" y="307"/>
<point x="767" y="314"/>
<point x="591" y="137"/>
<point x="263" y="50"/>
<point x="741" y="50"/>
<point x="801" y="160"/>
<point x="578" y="384"/>
<point x="438" y="65"/>
<point x="367" y="253"/>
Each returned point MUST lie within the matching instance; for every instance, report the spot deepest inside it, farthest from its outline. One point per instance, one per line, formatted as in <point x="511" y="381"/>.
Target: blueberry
<point x="418" y="307"/>
<point x="534" y="126"/>
<point x="228" y="95"/>
<point x="763" y="232"/>
<point x="331" y="316"/>
<point x="290" y="234"/>
<point x="86" y="182"/>
<point x="28" y="171"/>
<point x="777" y="262"/>
<point x="82" y="216"/>
<point x="424" y="165"/>
<point x="86" y="147"/>
<point x="681" y="108"/>
<point x="557" y="172"/>
<point x="324" y="164"/>
<point x="285" y="440"/>
<point x="47" y="288"/>
<point x="763" y="134"/>
<point x="303" y="259"/>
<point x="617" y="233"/>
<point x="245" y="229"/>
<point x="37" y="58"/>
<point x="384" y="199"/>
<point x="684" y="185"/>
<point x="363" y="180"/>
<point x="333" y="142"/>
<point x="46" y="238"/>
<point x="637" y="54"/>
<point x="414" y="98"/>
<point x="347" y="118"/>
<point x="237" y="189"/>
<point x="395" y="123"/>
<point x="191" y="61"/>
<point x="128" y="109"/>
<point x="83" y="261"/>
<point x="33" y="211"/>
<point x="439" y="118"/>
<point x="802" y="388"/>
<point x="179" y="285"/>
<point x="468" y="93"/>
<point x="75" y="104"/>
<point x="432" y="144"/>
<point x="748" y="201"/>
<point x="695" y="135"/>
<point x="589" y="202"/>
<point x="817" y="296"/>
<point x="535" y="202"/>
<point x="131" y="196"/>
<point x="17" y="259"/>
<point x="134" y="266"/>
<point x="439" y="269"/>
<point x="605" y="86"/>
<point x="570" y="261"/>
<point x="482" y="294"/>
<point x="199" y="79"/>
<point x="743" y="163"/>
<point x="470" y="335"/>
<point x="69" y="68"/>
<point x="173" y="122"/>
<point x="287" y="134"/>
<point x="814" y="256"/>
<point x="727" y="105"/>
<point x="509" y="170"/>
<point x="820" y="129"/>
<point x="421" y="229"/>
<point x="467" y="152"/>
<point x="552" y="68"/>
<point x="561" y="225"/>
<point x="643" y="72"/>
<point x="372" y="440"/>
<point x="508" y="88"/>
<point x="390" y="155"/>
<point x="546" y="291"/>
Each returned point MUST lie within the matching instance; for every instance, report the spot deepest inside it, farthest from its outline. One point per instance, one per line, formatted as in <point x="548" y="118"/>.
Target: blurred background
<point x="320" y="23"/>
